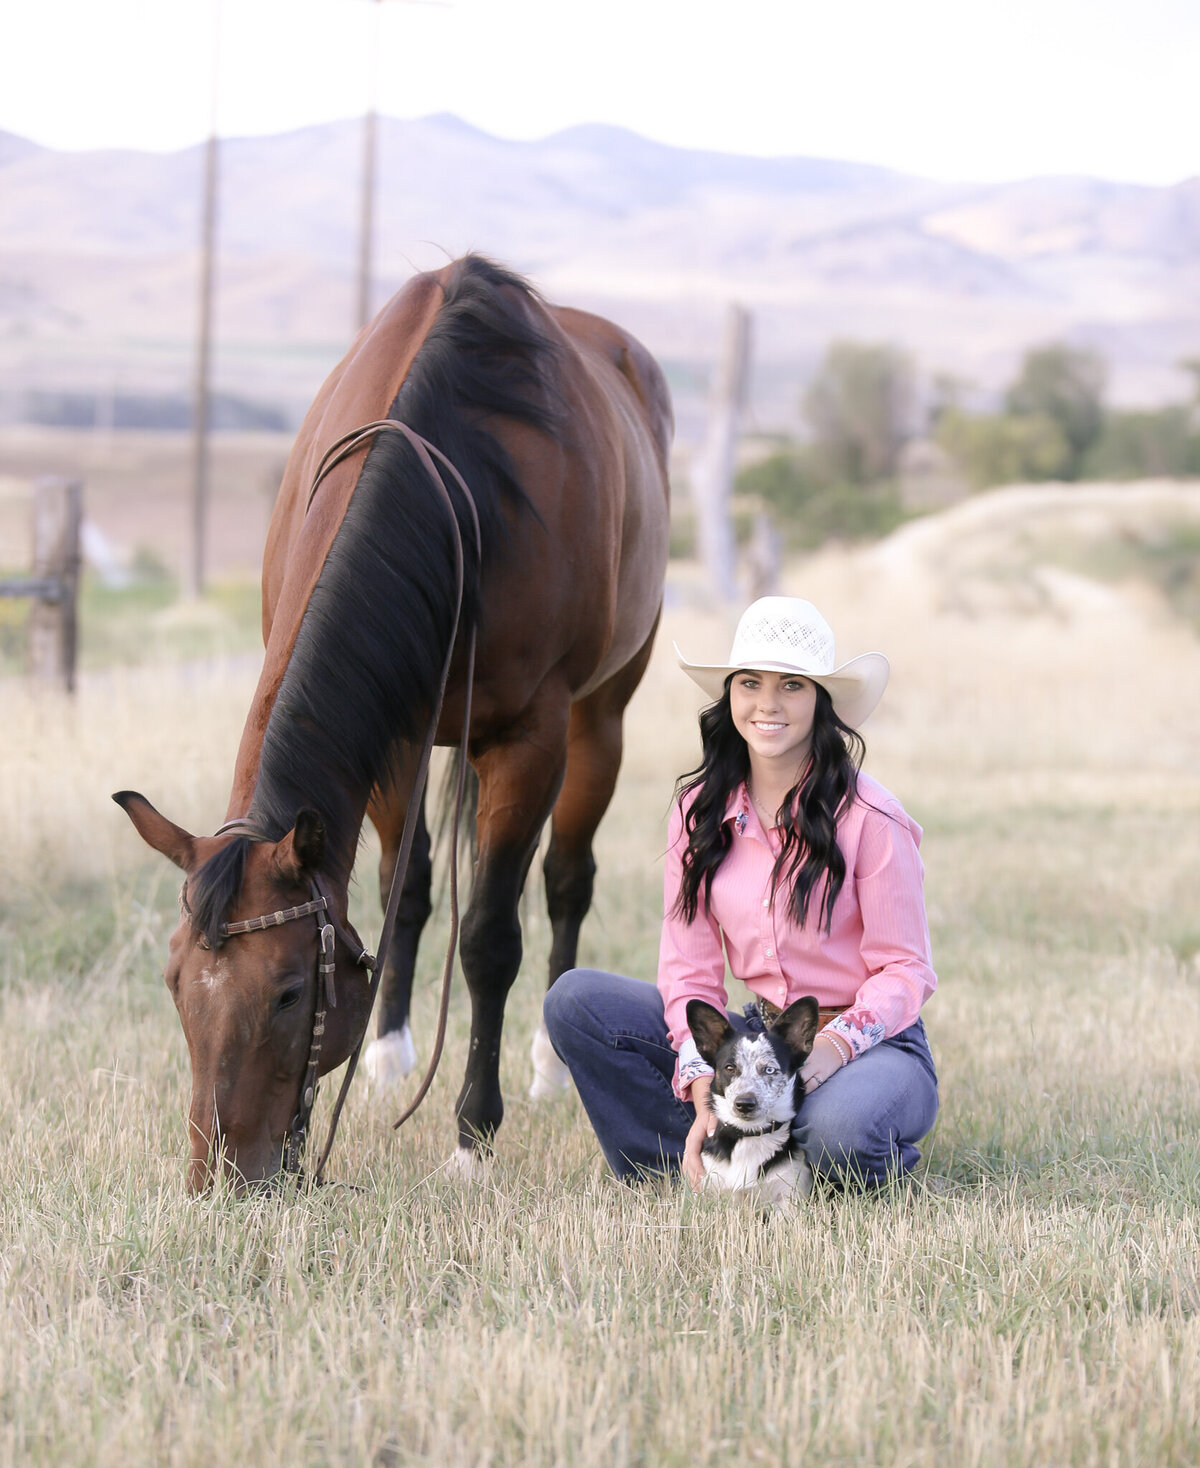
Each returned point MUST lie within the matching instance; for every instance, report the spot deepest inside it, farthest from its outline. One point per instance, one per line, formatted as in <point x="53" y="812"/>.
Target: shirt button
<point x="766" y="902"/>
<point x="770" y="953"/>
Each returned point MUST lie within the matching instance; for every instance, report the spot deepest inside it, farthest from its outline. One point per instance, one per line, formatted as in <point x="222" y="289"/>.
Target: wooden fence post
<point x="53" y="636"/>
<point x="714" y="473"/>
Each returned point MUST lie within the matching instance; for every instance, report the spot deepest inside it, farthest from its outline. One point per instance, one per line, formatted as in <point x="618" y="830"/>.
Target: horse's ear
<point x="155" y="830"/>
<point x="301" y="851"/>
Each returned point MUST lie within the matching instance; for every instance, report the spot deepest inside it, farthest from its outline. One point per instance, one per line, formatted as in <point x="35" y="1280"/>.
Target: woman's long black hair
<point x="810" y="811"/>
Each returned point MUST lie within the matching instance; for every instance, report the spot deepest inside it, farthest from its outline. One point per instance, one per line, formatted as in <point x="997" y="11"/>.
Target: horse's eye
<point x="289" y="998"/>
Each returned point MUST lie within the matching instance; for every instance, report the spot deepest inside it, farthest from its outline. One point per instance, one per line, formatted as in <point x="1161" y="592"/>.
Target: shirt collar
<point x="738" y="808"/>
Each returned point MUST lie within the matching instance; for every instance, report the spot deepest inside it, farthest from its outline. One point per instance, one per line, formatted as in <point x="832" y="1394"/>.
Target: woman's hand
<point x="827" y="1059"/>
<point x="704" y="1126"/>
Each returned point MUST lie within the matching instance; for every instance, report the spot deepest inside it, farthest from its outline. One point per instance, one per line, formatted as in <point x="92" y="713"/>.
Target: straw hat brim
<point x="854" y="689"/>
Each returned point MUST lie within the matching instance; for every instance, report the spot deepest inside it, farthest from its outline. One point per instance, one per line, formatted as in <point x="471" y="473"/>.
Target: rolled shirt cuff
<point x="691" y="1065"/>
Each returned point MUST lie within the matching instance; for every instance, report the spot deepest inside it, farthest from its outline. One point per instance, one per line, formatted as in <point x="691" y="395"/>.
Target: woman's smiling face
<point x="773" y="712"/>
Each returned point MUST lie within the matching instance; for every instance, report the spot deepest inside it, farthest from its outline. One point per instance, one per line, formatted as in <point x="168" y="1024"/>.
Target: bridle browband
<point x="243" y="826"/>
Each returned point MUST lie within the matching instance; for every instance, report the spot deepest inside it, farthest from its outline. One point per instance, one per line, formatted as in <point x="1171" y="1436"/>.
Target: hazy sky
<point x="973" y="89"/>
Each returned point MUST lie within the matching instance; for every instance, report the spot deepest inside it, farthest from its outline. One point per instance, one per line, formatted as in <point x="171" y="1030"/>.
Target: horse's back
<point x="356" y="392"/>
<point x="604" y="342"/>
<point x="580" y="581"/>
<point x="621" y="479"/>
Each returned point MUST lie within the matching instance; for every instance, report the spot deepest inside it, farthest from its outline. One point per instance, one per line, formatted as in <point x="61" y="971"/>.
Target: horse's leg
<point x="390" y="1057"/>
<point x="518" y="783"/>
<point x="593" y="760"/>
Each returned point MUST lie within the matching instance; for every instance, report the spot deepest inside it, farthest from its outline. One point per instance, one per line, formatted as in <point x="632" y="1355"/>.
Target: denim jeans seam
<point x="616" y="1035"/>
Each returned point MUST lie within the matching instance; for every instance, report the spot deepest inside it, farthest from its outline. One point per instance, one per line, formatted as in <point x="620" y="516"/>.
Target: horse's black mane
<point x="368" y="654"/>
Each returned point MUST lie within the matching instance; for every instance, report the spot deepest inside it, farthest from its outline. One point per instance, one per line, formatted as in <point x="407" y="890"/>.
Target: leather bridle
<point x="325" y="989"/>
<point x="326" y="996"/>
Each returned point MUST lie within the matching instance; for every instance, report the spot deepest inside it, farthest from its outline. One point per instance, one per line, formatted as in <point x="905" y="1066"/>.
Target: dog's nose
<point x="745" y="1105"/>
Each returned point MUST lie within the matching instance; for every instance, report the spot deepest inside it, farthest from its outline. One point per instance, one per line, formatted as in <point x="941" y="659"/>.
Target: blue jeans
<point x="860" y="1127"/>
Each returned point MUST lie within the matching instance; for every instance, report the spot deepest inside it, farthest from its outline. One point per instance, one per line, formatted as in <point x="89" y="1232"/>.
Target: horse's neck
<point x="249" y="755"/>
<point x="352" y="804"/>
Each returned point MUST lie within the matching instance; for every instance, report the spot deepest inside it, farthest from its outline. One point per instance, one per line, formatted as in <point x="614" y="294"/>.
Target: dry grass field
<point x="1032" y="1296"/>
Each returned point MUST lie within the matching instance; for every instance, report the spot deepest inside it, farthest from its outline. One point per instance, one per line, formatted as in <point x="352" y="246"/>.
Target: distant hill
<point x="98" y="258"/>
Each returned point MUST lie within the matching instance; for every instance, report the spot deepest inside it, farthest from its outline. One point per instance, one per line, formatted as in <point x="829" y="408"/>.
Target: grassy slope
<point x="1033" y="1297"/>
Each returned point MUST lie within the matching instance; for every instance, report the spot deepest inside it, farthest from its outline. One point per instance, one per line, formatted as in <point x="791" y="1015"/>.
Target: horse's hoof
<point x="389" y="1059"/>
<point x="550" y="1075"/>
<point x="467" y="1164"/>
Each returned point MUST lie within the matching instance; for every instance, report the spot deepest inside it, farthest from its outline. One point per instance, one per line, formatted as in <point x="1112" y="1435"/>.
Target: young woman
<point x="803" y="874"/>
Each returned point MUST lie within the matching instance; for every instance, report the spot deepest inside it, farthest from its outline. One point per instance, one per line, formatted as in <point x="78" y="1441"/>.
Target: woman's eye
<point x="289" y="998"/>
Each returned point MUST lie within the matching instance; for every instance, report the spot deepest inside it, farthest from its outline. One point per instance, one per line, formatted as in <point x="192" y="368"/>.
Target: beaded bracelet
<point x="844" y="1055"/>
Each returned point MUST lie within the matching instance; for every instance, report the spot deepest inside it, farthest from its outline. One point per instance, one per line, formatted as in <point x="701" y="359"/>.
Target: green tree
<point x="995" y="449"/>
<point x="859" y="408"/>
<point x="785" y="482"/>
<point x="808" y="509"/>
<point x="1146" y="444"/>
<point x="1065" y="384"/>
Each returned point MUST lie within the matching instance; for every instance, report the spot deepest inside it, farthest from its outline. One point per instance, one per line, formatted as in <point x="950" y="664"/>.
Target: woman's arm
<point x="889" y="880"/>
<point x="704" y="1126"/>
<point x="691" y="962"/>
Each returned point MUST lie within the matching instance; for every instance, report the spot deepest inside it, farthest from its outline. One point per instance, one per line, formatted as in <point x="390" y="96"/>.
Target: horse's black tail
<point x="468" y="840"/>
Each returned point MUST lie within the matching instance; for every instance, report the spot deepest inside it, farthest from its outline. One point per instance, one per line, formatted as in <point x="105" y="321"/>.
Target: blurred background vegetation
<point x="883" y="446"/>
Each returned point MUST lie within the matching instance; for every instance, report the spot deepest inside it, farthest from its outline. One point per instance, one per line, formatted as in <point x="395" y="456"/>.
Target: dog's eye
<point x="730" y="1069"/>
<point x="770" y="1070"/>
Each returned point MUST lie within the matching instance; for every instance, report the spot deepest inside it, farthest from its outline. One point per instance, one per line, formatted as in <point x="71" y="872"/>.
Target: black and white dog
<point x="755" y="1094"/>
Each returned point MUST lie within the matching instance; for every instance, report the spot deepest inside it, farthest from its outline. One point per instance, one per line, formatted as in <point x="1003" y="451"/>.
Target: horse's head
<point x="250" y="998"/>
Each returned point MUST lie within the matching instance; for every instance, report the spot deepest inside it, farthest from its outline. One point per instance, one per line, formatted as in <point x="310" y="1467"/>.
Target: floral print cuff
<point x="691" y="1064"/>
<point x="859" y="1037"/>
<point x="689" y="1072"/>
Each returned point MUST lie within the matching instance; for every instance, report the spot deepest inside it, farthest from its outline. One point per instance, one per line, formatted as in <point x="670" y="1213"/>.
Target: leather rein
<point x="326" y="995"/>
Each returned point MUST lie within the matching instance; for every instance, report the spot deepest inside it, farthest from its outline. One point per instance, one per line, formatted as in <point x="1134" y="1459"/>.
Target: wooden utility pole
<point x="195" y="569"/>
<point x="370" y="169"/>
<point x="366" y="227"/>
<point x="713" y="479"/>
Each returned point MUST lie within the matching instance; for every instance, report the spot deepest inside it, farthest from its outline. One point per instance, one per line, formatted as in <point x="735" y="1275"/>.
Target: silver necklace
<point x="768" y="821"/>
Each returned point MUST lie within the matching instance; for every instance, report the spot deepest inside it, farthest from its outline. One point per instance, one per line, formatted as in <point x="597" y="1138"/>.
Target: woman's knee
<point x="576" y="998"/>
<point x="840" y="1135"/>
<point x="854" y="1144"/>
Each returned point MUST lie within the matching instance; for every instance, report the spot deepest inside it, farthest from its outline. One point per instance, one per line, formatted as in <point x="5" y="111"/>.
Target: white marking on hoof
<point x="388" y="1060"/>
<point x="550" y="1075"/>
<point x="467" y="1164"/>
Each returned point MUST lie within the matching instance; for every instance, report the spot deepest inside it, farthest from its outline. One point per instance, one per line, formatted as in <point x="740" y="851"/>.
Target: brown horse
<point x="560" y="424"/>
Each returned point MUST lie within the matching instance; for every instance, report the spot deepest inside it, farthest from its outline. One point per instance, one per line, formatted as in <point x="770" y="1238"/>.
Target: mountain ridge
<point x="98" y="255"/>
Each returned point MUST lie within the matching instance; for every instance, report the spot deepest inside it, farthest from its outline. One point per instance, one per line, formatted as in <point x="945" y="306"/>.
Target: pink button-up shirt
<point x="874" y="962"/>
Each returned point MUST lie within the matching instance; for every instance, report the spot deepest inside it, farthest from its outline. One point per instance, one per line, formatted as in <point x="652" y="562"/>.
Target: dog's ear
<point x="710" y="1028"/>
<point x="797" y="1025"/>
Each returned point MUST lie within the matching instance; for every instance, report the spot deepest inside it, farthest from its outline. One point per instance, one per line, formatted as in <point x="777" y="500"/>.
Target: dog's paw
<point x="550" y="1075"/>
<point x="388" y="1060"/>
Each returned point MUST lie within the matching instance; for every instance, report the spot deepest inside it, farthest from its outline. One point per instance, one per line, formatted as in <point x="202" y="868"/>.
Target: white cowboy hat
<point x="783" y="634"/>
